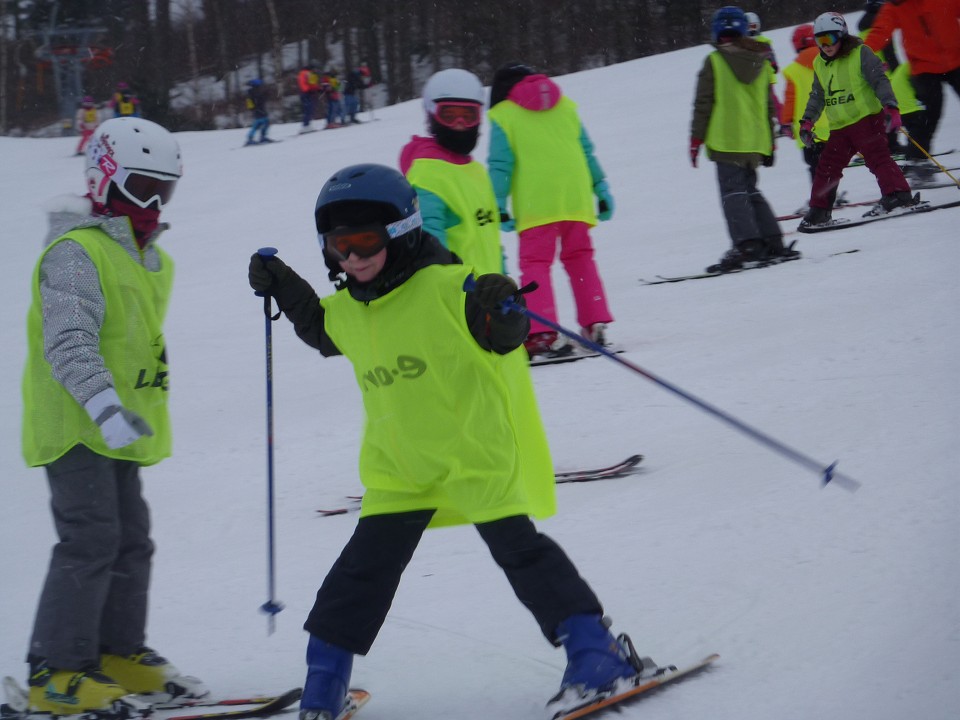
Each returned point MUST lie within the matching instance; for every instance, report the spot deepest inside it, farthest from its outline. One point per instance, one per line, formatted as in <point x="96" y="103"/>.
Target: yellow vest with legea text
<point x="448" y="425"/>
<point x="467" y="192"/>
<point x="847" y="95"/>
<point x="739" y="122"/>
<point x="551" y="180"/>
<point x="132" y="346"/>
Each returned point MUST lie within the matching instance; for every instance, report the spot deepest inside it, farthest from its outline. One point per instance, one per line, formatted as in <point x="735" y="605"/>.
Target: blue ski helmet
<point x="729" y="21"/>
<point x="366" y="194"/>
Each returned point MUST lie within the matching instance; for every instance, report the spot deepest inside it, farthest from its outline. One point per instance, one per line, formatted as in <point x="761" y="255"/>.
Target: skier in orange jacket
<point x="930" y="32"/>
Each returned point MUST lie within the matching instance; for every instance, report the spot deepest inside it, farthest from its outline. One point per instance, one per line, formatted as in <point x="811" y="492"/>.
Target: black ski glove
<point x="266" y="274"/>
<point x="492" y="289"/>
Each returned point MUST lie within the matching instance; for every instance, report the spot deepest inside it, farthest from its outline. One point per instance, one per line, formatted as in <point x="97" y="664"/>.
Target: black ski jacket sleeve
<point x="300" y="303"/>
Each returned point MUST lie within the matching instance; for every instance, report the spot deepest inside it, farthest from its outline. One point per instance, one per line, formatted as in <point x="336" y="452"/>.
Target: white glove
<point x="119" y="426"/>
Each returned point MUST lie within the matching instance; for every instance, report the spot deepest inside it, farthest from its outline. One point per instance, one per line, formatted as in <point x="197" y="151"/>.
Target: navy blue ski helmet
<point x="729" y="21"/>
<point x="367" y="194"/>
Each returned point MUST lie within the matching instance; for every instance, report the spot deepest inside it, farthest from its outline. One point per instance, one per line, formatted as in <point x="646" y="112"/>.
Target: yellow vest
<point x="467" y="192"/>
<point x="903" y="89"/>
<point x="739" y="122"/>
<point x="848" y="96"/>
<point x="802" y="78"/>
<point x="551" y="181"/>
<point x="448" y="425"/>
<point x="132" y="346"/>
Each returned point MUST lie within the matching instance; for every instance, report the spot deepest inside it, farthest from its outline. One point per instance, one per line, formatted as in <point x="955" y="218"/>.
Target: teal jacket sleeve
<point x="437" y="217"/>
<point x="596" y="172"/>
<point x="500" y="162"/>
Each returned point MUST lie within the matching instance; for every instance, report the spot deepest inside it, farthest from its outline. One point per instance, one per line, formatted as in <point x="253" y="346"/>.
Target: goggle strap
<point x="402" y="227"/>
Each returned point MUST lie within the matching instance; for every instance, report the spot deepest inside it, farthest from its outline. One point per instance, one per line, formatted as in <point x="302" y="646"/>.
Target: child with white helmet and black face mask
<point x="456" y="197"/>
<point x="851" y="88"/>
<point x="95" y="411"/>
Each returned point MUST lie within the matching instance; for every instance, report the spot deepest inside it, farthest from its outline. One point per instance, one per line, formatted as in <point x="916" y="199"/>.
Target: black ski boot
<point x="816" y="216"/>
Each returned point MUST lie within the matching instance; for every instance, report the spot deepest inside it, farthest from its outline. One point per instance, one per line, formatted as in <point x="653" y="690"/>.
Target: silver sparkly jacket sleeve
<point x="73" y="307"/>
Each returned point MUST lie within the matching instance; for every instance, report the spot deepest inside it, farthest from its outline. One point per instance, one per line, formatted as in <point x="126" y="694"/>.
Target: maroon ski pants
<point x="867" y="137"/>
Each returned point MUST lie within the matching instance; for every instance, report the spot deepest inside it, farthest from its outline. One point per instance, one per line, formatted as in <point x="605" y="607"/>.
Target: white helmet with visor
<point x="454" y="97"/>
<point x="140" y="158"/>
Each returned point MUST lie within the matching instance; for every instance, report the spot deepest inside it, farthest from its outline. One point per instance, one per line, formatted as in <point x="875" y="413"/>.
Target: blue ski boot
<point x="328" y="678"/>
<point x="596" y="661"/>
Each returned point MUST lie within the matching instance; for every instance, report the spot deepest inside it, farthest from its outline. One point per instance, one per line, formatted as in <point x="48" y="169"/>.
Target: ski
<point x="842" y="223"/>
<point x="624" y="467"/>
<point x="258" y="143"/>
<point x="936" y="169"/>
<point x="898" y="157"/>
<point x="358" y="698"/>
<point x="213" y="702"/>
<point x="578" y="353"/>
<point x="837" y="206"/>
<point x="641" y="685"/>
<point x="270" y="706"/>
<point x="662" y="280"/>
<point x="620" y="469"/>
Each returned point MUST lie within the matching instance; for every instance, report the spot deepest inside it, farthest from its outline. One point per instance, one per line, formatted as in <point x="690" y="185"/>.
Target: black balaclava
<point x="461" y="142"/>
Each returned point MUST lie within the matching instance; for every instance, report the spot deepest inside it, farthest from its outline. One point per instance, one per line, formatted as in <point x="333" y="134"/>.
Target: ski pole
<point x="828" y="473"/>
<point x="924" y="151"/>
<point x="272" y="606"/>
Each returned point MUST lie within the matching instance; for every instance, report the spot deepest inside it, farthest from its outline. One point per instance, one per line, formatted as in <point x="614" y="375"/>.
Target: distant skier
<point x="257" y="105"/>
<point x="308" y="83"/>
<point x="124" y="102"/>
<point x="86" y="122"/>
<point x="430" y="361"/>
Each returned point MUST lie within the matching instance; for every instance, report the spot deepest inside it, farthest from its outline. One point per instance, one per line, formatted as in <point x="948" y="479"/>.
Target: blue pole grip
<point x="265" y="252"/>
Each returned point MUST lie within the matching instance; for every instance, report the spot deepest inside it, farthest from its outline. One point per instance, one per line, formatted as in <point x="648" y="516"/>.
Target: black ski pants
<point x="356" y="595"/>
<point x="923" y="124"/>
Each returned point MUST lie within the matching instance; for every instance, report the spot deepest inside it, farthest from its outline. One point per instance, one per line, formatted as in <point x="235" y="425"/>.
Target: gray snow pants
<point x="95" y="594"/>
<point x="747" y="212"/>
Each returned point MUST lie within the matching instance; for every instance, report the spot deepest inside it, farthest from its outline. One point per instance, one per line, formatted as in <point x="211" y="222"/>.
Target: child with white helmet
<point x="456" y="197"/>
<point x="851" y="88"/>
<point x="95" y="411"/>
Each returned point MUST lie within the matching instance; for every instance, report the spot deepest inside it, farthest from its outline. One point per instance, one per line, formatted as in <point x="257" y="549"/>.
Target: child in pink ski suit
<point x="540" y="155"/>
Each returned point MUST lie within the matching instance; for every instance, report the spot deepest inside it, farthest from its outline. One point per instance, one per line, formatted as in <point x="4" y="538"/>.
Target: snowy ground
<point x="822" y="603"/>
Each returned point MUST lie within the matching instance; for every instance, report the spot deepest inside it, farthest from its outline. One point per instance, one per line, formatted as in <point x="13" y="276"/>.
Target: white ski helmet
<point x="753" y="24"/>
<point x="139" y="157"/>
<point x="830" y="22"/>
<point x="451" y="84"/>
